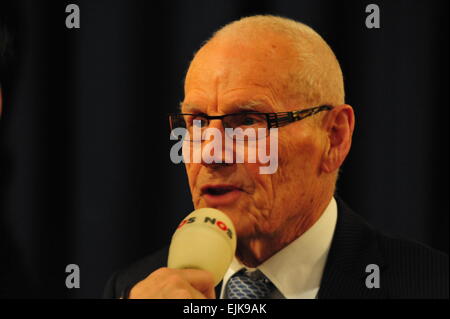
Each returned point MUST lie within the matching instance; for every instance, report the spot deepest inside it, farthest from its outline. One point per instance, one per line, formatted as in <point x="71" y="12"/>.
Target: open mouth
<point x="218" y="190"/>
<point x="220" y="195"/>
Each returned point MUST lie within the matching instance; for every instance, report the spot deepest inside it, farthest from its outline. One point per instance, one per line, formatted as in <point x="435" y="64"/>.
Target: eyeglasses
<point x="238" y="124"/>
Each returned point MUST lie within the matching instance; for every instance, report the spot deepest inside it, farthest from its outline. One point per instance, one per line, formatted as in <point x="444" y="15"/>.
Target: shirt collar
<point x="296" y="270"/>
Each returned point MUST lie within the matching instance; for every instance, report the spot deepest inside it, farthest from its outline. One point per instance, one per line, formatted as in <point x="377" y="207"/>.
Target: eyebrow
<point x="248" y="106"/>
<point x="189" y="106"/>
<point x="251" y="105"/>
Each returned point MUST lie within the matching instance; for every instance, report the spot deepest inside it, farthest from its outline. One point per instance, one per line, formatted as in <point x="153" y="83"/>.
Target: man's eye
<point x="249" y="120"/>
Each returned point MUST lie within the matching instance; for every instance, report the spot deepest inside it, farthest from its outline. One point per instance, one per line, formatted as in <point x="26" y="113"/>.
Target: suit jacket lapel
<point x="218" y="289"/>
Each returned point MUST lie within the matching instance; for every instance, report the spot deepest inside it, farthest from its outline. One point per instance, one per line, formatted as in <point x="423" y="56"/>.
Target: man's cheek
<point x="252" y="169"/>
<point x="262" y="194"/>
<point x="287" y="179"/>
<point x="192" y="171"/>
<point x="296" y="167"/>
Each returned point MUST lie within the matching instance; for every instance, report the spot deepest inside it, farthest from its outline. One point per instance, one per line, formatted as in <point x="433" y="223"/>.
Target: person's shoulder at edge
<point x="410" y="269"/>
<point x="418" y="270"/>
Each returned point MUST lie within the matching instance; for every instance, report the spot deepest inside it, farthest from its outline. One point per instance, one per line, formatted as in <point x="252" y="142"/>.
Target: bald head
<point x="304" y="65"/>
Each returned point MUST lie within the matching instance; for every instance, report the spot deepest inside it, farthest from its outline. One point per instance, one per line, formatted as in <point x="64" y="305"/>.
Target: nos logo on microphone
<point x="209" y="220"/>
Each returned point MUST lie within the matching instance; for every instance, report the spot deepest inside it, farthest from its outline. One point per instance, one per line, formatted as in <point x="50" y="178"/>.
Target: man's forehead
<point x="237" y="75"/>
<point x="234" y="55"/>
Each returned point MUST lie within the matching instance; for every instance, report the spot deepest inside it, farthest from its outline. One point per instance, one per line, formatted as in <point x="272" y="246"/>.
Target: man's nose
<point x="217" y="151"/>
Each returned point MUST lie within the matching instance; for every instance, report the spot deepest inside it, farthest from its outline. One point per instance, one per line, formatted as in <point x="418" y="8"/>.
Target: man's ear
<point x="339" y="123"/>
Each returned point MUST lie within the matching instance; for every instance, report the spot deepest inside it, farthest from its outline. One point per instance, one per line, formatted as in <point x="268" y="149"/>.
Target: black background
<point x="86" y="176"/>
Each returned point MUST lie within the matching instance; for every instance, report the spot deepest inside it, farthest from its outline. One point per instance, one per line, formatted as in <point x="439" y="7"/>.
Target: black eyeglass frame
<point x="274" y="120"/>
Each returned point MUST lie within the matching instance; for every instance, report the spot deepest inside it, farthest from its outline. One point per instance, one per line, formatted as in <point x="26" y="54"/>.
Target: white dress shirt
<point x="296" y="270"/>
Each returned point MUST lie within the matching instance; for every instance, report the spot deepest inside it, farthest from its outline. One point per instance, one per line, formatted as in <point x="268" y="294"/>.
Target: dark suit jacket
<point x="407" y="269"/>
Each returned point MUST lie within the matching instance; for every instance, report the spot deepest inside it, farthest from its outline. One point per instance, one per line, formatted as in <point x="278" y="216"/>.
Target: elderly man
<point x="295" y="240"/>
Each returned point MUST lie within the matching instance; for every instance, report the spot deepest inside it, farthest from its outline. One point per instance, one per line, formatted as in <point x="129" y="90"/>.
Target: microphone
<point x="205" y="239"/>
